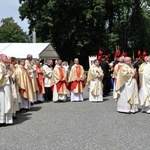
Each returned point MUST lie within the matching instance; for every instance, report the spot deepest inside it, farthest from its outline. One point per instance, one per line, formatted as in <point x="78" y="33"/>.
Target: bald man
<point x="58" y="83"/>
<point x="126" y="88"/>
<point x="76" y="81"/>
<point x="140" y="71"/>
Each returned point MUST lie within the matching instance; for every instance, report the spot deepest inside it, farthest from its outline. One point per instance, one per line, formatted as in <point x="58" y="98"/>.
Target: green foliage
<point x="72" y="26"/>
<point x="11" y="32"/>
<point x="81" y="28"/>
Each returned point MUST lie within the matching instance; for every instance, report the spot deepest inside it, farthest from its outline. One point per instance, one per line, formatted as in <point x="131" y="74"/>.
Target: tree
<point x="12" y="32"/>
<point x="74" y="27"/>
<point x="129" y="21"/>
<point x="81" y="28"/>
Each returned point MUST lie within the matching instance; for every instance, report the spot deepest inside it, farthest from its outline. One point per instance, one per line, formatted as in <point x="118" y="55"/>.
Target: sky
<point x="9" y="8"/>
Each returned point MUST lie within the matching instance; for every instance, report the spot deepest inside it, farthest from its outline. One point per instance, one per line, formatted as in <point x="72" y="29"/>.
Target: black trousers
<point x="48" y="96"/>
<point x="107" y="86"/>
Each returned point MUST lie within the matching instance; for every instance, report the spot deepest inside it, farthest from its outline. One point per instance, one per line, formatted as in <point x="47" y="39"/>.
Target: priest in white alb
<point x="11" y="86"/>
<point x="58" y="83"/>
<point x="24" y="84"/>
<point x="126" y="88"/>
<point x="40" y="80"/>
<point x="6" y="114"/>
<point x="48" y="68"/>
<point x="94" y="82"/>
<point x="145" y="96"/>
<point x="117" y="67"/>
<point x="32" y="72"/>
<point x="15" y="90"/>
<point x="140" y="71"/>
<point x="76" y="81"/>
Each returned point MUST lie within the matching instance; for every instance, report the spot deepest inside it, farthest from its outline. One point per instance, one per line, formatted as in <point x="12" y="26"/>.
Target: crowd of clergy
<point x="132" y="85"/>
<point x="25" y="82"/>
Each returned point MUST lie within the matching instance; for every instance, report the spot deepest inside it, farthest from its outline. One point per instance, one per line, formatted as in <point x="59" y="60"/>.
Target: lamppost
<point x="33" y="33"/>
<point x="34" y="36"/>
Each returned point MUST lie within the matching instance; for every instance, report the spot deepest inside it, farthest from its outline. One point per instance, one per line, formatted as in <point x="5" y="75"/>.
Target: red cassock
<point x="40" y="79"/>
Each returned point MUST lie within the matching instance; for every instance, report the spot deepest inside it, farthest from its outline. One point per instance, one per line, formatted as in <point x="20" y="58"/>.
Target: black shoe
<point x="2" y="124"/>
<point x="32" y="104"/>
<point x="14" y="117"/>
<point x="39" y="102"/>
<point x="125" y="112"/>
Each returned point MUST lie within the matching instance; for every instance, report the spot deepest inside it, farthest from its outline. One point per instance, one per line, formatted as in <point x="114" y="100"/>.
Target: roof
<point x="21" y="50"/>
<point x="49" y="52"/>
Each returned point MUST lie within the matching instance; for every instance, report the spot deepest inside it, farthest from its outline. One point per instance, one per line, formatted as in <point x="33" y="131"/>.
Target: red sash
<point x="40" y="80"/>
<point x="21" y="91"/>
<point x="72" y="85"/>
<point x="60" y="83"/>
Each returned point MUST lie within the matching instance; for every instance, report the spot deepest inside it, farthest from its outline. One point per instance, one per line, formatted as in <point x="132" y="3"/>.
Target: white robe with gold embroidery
<point x="57" y="76"/>
<point x="75" y="74"/>
<point x="115" y="73"/>
<point x="140" y="71"/>
<point x="95" y="84"/>
<point x="5" y="97"/>
<point x="32" y="73"/>
<point x="145" y="96"/>
<point x="127" y="90"/>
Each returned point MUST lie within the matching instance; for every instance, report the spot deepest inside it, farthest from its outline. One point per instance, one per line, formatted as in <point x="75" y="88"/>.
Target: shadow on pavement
<point x="35" y="108"/>
<point x="105" y="99"/>
<point x="86" y="99"/>
<point x="22" y="116"/>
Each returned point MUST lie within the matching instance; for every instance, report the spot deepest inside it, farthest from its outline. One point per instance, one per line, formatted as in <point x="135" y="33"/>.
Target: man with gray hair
<point x="48" y="67"/>
<point x="29" y="56"/>
<point x="126" y="88"/>
<point x="32" y="73"/>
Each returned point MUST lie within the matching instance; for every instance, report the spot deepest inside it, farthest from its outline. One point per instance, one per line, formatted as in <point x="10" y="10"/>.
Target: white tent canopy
<point x="21" y="50"/>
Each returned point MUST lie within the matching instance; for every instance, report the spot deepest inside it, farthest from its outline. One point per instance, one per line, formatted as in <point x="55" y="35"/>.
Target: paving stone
<point x="77" y="126"/>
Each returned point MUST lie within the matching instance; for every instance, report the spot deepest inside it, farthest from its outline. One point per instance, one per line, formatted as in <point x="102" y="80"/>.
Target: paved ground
<point x="77" y="126"/>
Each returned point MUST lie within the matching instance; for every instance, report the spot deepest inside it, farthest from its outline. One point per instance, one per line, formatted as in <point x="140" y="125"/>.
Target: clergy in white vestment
<point x="48" y="67"/>
<point x="66" y="67"/>
<point x="40" y="80"/>
<point x="94" y="81"/>
<point x="24" y="83"/>
<point x="76" y="81"/>
<point x="5" y="92"/>
<point x="145" y="96"/>
<point x="33" y="74"/>
<point x="126" y="88"/>
<point x="14" y="87"/>
<point x="58" y="83"/>
<point x="140" y="71"/>
<point x="117" y="67"/>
